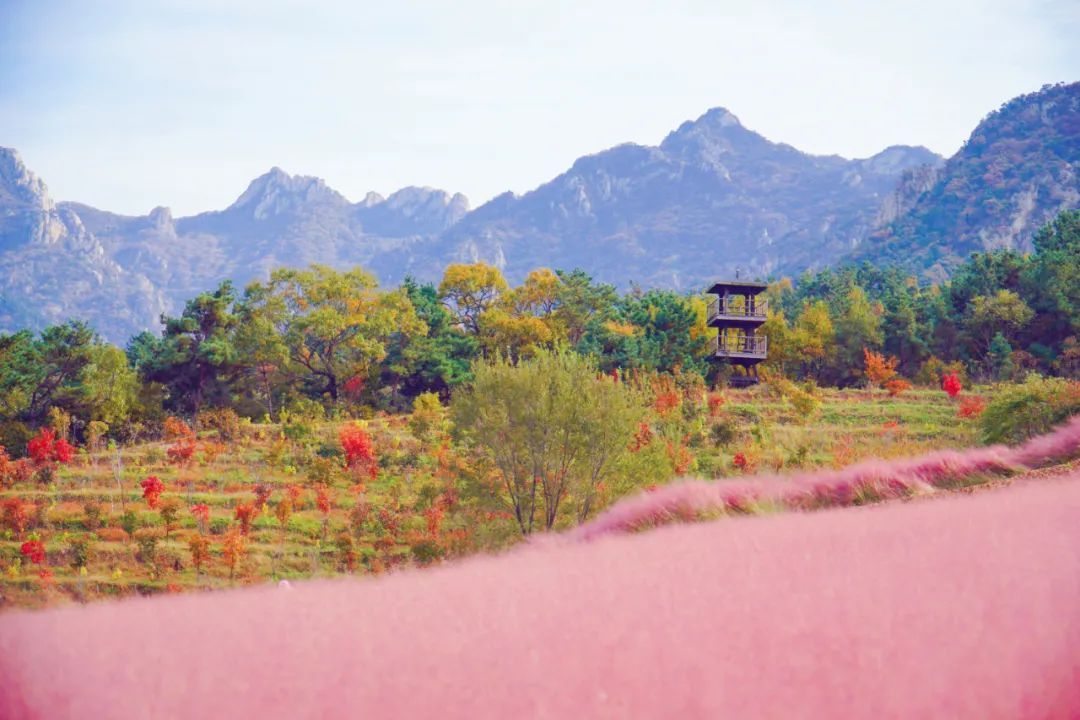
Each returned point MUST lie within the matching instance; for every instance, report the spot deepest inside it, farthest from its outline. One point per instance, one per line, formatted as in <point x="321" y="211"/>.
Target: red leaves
<point x="15" y="515"/>
<point x="359" y="452"/>
<point x="34" y="551"/>
<point x="262" y="494"/>
<point x="152" y="489"/>
<point x="666" y="401"/>
<point x="44" y="448"/>
<point x="181" y="452"/>
<point x="201" y="511"/>
<point x="740" y="461"/>
<point x="322" y="499"/>
<point x="951" y="384"/>
<point x="354" y="387"/>
<point x="642" y="437"/>
<point x="971" y="406"/>
<point x="245" y="514"/>
<point x="716" y="402"/>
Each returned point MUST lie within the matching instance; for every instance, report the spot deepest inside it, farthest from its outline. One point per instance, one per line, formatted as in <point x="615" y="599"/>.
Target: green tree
<point x="1003" y="312"/>
<point x="37" y="374"/>
<point x="857" y="327"/>
<point x="325" y="326"/>
<point x="110" y="386"/>
<point x="196" y="358"/>
<point x="552" y="428"/>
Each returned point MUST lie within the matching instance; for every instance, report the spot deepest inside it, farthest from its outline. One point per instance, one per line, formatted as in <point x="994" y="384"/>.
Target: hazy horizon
<point x="125" y="106"/>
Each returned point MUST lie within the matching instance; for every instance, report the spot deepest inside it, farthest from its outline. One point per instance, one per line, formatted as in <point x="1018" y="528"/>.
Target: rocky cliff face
<point x="53" y="268"/>
<point x="711" y="198"/>
<point x="1019" y="168"/>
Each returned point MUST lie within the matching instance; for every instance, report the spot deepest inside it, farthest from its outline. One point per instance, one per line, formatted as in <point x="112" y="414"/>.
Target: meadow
<point x="235" y="503"/>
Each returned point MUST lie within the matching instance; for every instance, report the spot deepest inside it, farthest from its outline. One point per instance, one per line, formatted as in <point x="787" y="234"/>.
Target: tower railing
<point x="728" y="307"/>
<point x="741" y="344"/>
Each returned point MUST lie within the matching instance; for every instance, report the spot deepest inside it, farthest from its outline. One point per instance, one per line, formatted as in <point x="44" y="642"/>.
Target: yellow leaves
<point x="624" y="329"/>
<point x="471" y="290"/>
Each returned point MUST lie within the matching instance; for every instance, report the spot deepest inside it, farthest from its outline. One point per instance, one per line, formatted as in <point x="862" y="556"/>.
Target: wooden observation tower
<point x="737" y="313"/>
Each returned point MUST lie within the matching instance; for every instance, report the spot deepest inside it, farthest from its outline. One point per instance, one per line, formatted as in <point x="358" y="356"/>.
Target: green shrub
<point x="219" y="525"/>
<point x="724" y="432"/>
<point x="1018" y="412"/>
<point x="129" y="521"/>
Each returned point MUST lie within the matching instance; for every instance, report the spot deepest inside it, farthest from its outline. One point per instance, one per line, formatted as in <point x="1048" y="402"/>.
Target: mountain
<point x="53" y="268"/>
<point x="1019" y="168"/>
<point x="712" y="198"/>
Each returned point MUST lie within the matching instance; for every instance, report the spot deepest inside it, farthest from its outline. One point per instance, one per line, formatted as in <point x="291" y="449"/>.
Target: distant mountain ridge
<point x="712" y="198"/>
<point x="1019" y="169"/>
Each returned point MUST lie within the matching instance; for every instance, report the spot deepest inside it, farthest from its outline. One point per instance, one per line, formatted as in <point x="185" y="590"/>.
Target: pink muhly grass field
<point x="879" y="478"/>
<point x="967" y="607"/>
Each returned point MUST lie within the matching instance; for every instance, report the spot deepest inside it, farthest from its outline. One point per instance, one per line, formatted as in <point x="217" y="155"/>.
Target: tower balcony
<point x="737" y="310"/>
<point x="741" y="347"/>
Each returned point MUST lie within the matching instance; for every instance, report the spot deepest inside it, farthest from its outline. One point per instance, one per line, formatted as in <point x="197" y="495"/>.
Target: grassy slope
<point x="851" y="425"/>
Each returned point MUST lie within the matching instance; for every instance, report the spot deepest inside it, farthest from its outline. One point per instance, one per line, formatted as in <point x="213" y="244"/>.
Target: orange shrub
<point x="113" y="534"/>
<point x="971" y="406"/>
<point x="896" y="386"/>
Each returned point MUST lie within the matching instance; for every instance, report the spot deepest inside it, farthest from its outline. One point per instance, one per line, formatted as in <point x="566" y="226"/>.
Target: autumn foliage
<point x="951" y="384"/>
<point x="45" y="447"/>
<point x="359" y="452"/>
<point x="152" y="489"/>
<point x="34" y="551"/>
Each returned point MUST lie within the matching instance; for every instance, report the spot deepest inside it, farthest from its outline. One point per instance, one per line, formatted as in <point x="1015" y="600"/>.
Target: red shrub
<point x="971" y="406"/>
<point x="951" y="384"/>
<point x="201" y="511"/>
<point x="44" y="448"/>
<point x="666" y="401"/>
<point x="716" y="402"/>
<point x="322" y="499"/>
<point x="245" y="514"/>
<point x="40" y="446"/>
<point x="15" y="515"/>
<point x="181" y="452"/>
<point x="34" y="551"/>
<point x="63" y="451"/>
<point x="740" y="461"/>
<point x="152" y="488"/>
<point x="262" y="494"/>
<point x="359" y="452"/>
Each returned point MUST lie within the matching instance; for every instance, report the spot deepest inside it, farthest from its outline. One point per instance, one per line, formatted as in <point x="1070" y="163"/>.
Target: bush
<point x="724" y="432"/>
<point x="113" y="534"/>
<point x="1030" y="408"/>
<point x="224" y="420"/>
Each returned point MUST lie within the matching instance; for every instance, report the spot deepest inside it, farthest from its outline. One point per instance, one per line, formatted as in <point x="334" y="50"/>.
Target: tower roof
<point x="741" y="287"/>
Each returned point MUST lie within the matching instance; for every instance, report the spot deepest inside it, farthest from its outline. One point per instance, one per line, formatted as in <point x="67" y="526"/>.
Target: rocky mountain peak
<point x="19" y="186"/>
<point x="277" y="192"/>
<point x="898" y="158"/>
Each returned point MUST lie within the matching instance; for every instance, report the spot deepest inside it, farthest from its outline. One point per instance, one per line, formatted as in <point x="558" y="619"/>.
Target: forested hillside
<point x="1019" y="168"/>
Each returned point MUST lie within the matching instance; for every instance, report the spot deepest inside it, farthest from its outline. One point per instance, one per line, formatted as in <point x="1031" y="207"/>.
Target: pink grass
<point x="961" y="608"/>
<point x="880" y="478"/>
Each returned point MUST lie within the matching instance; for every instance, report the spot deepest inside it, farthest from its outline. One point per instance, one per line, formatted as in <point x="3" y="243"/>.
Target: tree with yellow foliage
<point x="470" y="290"/>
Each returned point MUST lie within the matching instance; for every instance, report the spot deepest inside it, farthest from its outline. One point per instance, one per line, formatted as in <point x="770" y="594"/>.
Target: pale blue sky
<point x="128" y="104"/>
